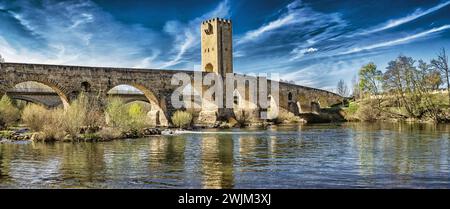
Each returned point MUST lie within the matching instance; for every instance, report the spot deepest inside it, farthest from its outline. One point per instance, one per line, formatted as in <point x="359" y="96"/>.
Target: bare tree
<point x="1" y="59"/>
<point x="441" y="64"/>
<point x="355" y="87"/>
<point x="342" y="88"/>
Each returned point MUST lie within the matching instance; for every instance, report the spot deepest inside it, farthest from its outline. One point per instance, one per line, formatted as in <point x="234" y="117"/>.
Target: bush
<point x="137" y="116"/>
<point x="9" y="114"/>
<point x="117" y="114"/>
<point x="35" y="116"/>
<point x="366" y="112"/>
<point x="109" y="134"/>
<point x="57" y="123"/>
<point x="350" y="112"/>
<point x="75" y="115"/>
<point x="182" y="119"/>
<point x="55" y="128"/>
<point x="126" y="116"/>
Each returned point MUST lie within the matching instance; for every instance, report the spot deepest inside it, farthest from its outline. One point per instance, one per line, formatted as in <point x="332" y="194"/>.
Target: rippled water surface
<point x="350" y="155"/>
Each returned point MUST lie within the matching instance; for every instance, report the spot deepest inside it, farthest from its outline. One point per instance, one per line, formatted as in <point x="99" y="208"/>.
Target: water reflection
<point x="404" y="151"/>
<point x="308" y="156"/>
<point x="217" y="162"/>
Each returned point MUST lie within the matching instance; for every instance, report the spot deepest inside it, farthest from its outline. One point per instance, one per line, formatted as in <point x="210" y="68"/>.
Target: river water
<point x="348" y="155"/>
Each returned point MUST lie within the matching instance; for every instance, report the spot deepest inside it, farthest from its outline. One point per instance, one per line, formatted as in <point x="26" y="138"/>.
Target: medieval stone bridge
<point x="51" y="99"/>
<point x="157" y="88"/>
<point x="69" y="81"/>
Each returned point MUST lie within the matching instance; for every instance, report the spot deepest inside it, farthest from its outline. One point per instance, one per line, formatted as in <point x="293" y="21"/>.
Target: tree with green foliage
<point x="370" y="87"/>
<point x="370" y="79"/>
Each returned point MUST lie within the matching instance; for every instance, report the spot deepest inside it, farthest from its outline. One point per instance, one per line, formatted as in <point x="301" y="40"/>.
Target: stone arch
<point x="315" y="107"/>
<point x="158" y="112"/>
<point x="131" y="100"/>
<point x="85" y="86"/>
<point x="43" y="102"/>
<point x="273" y="108"/>
<point x="58" y="89"/>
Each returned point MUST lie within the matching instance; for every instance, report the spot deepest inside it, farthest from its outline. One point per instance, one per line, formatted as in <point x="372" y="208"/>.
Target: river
<point x="347" y="155"/>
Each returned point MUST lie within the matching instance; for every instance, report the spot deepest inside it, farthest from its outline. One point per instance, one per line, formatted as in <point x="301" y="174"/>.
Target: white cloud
<point x="304" y="27"/>
<point x="395" y="42"/>
<point x="397" y="22"/>
<point x="78" y="33"/>
<point x="187" y="36"/>
<point x="281" y="22"/>
<point x="299" y="52"/>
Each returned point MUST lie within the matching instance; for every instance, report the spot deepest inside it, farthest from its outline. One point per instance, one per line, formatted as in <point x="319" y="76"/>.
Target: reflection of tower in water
<point x="217" y="162"/>
<point x="167" y="154"/>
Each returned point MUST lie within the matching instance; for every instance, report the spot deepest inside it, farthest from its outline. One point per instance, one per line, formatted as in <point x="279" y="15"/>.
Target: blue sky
<point x="314" y="43"/>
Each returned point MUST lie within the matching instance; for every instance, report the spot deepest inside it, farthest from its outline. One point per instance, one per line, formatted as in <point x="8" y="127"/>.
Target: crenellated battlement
<point x="219" y="20"/>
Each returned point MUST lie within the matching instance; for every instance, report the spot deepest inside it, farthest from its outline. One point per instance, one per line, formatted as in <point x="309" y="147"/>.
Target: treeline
<point x="408" y="90"/>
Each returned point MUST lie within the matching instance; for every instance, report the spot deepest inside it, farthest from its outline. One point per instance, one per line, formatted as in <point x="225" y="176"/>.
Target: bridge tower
<point x="217" y="46"/>
<point x="217" y="57"/>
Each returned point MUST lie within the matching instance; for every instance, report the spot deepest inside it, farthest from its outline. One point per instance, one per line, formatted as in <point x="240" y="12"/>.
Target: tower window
<point x="209" y="29"/>
<point x="290" y="96"/>
<point x="209" y="68"/>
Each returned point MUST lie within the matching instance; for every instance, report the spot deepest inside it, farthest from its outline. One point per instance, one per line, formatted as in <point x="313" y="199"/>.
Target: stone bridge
<point x="247" y="101"/>
<point x="69" y="81"/>
<point x="51" y="99"/>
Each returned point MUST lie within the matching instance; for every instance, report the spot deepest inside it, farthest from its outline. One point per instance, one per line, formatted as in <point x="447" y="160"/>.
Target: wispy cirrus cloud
<point x="296" y="17"/>
<point x="75" y="32"/>
<point x="403" y="20"/>
<point x="187" y="35"/>
<point x="273" y="25"/>
<point x="297" y="31"/>
<point x="399" y="41"/>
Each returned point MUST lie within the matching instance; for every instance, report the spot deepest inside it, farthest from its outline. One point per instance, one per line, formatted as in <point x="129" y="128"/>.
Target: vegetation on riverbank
<point x="407" y="91"/>
<point x="82" y="120"/>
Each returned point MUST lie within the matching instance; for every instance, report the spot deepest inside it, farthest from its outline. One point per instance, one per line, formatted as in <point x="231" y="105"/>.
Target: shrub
<point x="35" y="116"/>
<point x="9" y="114"/>
<point x="366" y="112"/>
<point x="75" y="115"/>
<point x="137" y="116"/>
<point x="55" y="127"/>
<point x="182" y="119"/>
<point x="109" y="134"/>
<point x="350" y="112"/>
<point x="126" y="116"/>
<point x="57" y="123"/>
<point x="117" y="114"/>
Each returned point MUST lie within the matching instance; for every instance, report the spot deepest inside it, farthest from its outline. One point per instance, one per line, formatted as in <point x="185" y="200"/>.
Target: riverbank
<point x="25" y="134"/>
<point x="372" y="111"/>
